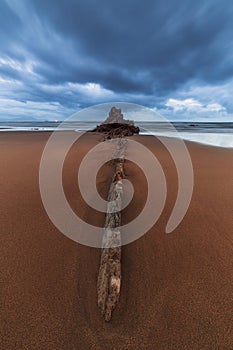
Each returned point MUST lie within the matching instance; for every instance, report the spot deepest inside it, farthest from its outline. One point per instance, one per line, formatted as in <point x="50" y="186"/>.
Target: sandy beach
<point x="176" y="289"/>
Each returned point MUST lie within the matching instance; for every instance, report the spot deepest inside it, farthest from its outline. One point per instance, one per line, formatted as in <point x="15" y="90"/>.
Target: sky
<point x="57" y="57"/>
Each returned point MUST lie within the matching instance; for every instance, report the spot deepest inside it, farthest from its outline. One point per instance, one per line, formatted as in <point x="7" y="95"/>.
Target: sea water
<point x="211" y="133"/>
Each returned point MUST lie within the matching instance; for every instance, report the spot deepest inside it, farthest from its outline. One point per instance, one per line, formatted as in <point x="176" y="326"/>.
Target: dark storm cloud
<point x="173" y="42"/>
<point x="10" y="26"/>
<point x="143" y="51"/>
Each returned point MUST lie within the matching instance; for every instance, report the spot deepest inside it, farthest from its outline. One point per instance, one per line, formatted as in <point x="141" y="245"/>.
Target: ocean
<point x="211" y="133"/>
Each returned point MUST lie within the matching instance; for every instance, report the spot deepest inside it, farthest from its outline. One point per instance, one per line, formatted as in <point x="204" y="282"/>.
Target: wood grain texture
<point x="109" y="278"/>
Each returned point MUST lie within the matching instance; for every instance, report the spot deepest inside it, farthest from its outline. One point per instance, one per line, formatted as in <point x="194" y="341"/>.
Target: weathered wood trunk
<point x="109" y="278"/>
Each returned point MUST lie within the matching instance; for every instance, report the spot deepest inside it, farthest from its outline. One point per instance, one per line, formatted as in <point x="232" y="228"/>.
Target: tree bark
<point x="109" y="278"/>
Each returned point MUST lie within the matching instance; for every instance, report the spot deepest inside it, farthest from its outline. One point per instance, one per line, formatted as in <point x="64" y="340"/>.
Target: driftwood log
<point x="109" y="278"/>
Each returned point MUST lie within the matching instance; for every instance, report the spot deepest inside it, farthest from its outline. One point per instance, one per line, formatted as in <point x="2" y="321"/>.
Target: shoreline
<point x="185" y="139"/>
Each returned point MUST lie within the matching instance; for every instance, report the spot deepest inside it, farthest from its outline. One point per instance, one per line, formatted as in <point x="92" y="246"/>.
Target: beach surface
<point x="176" y="288"/>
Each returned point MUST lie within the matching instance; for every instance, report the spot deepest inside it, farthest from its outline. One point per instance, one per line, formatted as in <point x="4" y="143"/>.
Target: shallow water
<point x="214" y="133"/>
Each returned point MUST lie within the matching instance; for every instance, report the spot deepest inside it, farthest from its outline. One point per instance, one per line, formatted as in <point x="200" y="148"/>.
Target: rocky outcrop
<point x="115" y="116"/>
<point x="116" y="126"/>
<point x="113" y="130"/>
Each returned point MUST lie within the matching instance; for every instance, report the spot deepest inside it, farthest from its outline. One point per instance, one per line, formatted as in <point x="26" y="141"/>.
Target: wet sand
<point x="176" y="289"/>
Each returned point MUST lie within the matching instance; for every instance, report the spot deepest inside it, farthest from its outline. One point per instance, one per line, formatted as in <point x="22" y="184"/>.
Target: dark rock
<point x="113" y="130"/>
<point x="116" y="126"/>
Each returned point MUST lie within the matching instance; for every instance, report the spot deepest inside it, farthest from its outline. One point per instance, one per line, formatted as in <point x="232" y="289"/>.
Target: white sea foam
<point x="212" y="139"/>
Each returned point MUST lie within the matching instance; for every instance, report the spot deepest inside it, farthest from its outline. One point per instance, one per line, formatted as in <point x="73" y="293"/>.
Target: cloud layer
<point x="71" y="54"/>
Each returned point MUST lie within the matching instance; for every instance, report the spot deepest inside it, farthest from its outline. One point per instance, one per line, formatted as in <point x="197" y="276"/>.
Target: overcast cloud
<point x="58" y="57"/>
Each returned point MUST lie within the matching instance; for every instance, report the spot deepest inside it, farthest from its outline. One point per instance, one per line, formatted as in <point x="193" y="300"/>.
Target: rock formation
<point x="115" y="116"/>
<point x="116" y="126"/>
